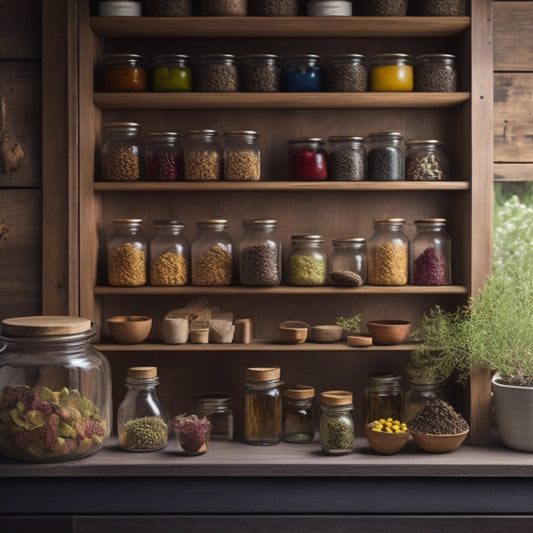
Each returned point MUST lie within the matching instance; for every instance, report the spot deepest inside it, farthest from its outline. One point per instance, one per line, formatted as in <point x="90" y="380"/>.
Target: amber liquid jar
<point x="383" y="397"/>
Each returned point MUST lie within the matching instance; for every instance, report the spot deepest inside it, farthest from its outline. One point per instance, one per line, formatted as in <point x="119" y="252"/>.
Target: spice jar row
<point x="436" y="72"/>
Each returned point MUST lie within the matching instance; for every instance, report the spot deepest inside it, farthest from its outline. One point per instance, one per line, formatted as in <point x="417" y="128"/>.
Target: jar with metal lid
<point x="263" y="406"/>
<point x="216" y="407"/>
<point x="329" y="8"/>
<point x="202" y="156"/>
<point x="435" y="73"/>
<point x="259" y="73"/>
<point x="380" y="8"/>
<point x="347" y="263"/>
<point x="426" y="161"/>
<point x="127" y="253"/>
<point x="273" y="8"/>
<point x="347" y="73"/>
<point x="437" y="8"/>
<point x="308" y="262"/>
<point x="224" y="8"/>
<point x="142" y="420"/>
<point x="431" y="250"/>
<point x="346" y="158"/>
<point x="212" y="253"/>
<point x="55" y="389"/>
<point x="391" y="72"/>
<point x="119" y="8"/>
<point x="388" y="252"/>
<point x="337" y="432"/>
<point x="163" y="157"/>
<point x="124" y="73"/>
<point x="171" y="73"/>
<point x="298" y="417"/>
<point x="385" y="159"/>
<point x="420" y="391"/>
<point x="242" y="156"/>
<point x="169" y="254"/>
<point x="168" y="8"/>
<point x="302" y="73"/>
<point x="122" y="153"/>
<point x="383" y="397"/>
<point x="308" y="160"/>
<point x="217" y="73"/>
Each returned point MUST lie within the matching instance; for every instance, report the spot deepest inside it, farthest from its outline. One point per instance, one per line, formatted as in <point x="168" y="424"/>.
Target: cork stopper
<point x="37" y="326"/>
<point x="299" y="392"/>
<point x="142" y="372"/>
<point x="263" y="373"/>
<point x="336" y="397"/>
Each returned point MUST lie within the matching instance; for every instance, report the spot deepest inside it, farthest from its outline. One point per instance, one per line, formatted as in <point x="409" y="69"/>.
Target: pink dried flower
<point x="12" y="395"/>
<point x="40" y="405"/>
<point x="192" y="427"/>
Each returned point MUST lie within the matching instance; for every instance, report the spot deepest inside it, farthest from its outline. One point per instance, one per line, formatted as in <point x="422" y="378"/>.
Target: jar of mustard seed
<point x="426" y="161"/>
<point x="383" y="397"/>
<point x="346" y="158"/>
<point x="308" y="261"/>
<point x="302" y="73"/>
<point x="348" y="262"/>
<point x="202" y="156"/>
<point x="308" y="159"/>
<point x="381" y="8"/>
<point x="435" y="73"/>
<point x="259" y="73"/>
<point x="298" y="417"/>
<point x="242" y="157"/>
<point x="122" y="153"/>
<point x="217" y="73"/>
<point x="337" y="432"/>
<point x="419" y="393"/>
<point x="124" y="73"/>
<point x="347" y="73"/>
<point x="163" y="157"/>
<point x="216" y="407"/>
<point x="172" y="73"/>
<point x="224" y="8"/>
<point x="385" y="157"/>
<point x="391" y="73"/>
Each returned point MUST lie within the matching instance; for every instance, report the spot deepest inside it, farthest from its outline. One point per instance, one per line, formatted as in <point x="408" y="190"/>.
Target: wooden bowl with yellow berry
<point x="387" y="436"/>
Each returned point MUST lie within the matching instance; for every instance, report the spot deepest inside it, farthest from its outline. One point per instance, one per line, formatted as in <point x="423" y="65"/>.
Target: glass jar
<point x="260" y="254"/>
<point x="202" y="156"/>
<point x="420" y="391"/>
<point x="431" y="253"/>
<point x="437" y="8"/>
<point x="380" y="8"/>
<point x="329" y="8"/>
<point x="298" y="418"/>
<point x="171" y="73"/>
<point x="308" y="160"/>
<point x="163" y="157"/>
<point x="216" y="407"/>
<point x="217" y="73"/>
<point x="383" y="397"/>
<point x="273" y="8"/>
<point x="119" y="8"/>
<point x="426" y="161"/>
<point x="308" y="262"/>
<point x="124" y="73"/>
<point x="168" y="8"/>
<point x="346" y="159"/>
<point x="385" y="160"/>
<point x="212" y="254"/>
<point x="391" y="72"/>
<point x="259" y="73"/>
<point x="301" y="73"/>
<point x="169" y="254"/>
<point x="435" y="73"/>
<point x="224" y="8"/>
<point x="55" y="389"/>
<point x="347" y="263"/>
<point x="242" y="157"/>
<point x="336" y="422"/>
<point x="122" y="153"/>
<point x="388" y="251"/>
<point x="347" y="73"/>
<point x="126" y="253"/>
<point x="263" y="405"/>
<point x="142" y="420"/>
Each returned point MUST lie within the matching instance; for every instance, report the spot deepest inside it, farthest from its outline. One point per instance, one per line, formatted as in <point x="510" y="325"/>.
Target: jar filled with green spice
<point x="336" y="422"/>
<point x="383" y="397"/>
<point x="298" y="419"/>
<point x="308" y="262"/>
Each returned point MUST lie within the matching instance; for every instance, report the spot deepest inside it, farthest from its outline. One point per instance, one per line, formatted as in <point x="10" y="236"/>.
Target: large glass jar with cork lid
<point x="337" y="433"/>
<point x="308" y="261"/>
<point x="55" y="389"/>
<point x="122" y="153"/>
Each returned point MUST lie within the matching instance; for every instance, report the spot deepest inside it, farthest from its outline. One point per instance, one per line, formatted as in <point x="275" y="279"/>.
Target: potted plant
<point x="350" y="325"/>
<point x="192" y="432"/>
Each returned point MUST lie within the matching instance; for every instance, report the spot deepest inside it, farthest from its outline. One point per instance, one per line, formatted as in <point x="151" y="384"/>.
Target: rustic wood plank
<point x="20" y="29"/>
<point x="506" y="172"/>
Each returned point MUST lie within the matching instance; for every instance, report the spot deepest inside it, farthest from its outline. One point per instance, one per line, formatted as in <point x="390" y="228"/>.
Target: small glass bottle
<point x="224" y="8"/>
<point x="259" y="73"/>
<point x="242" y="156"/>
<point x="216" y="407"/>
<point x="348" y="263"/>
<point x="127" y="252"/>
<point x="431" y="250"/>
<point x="385" y="159"/>
<point x="212" y="252"/>
<point x="388" y="253"/>
<point x="308" y="160"/>
<point x="383" y="397"/>
<point x="347" y="73"/>
<point x="260" y="254"/>
<point x="346" y="159"/>
<point x="169" y="254"/>
<point x="426" y="161"/>
<point x="217" y="73"/>
<point x="379" y="8"/>
<point x="273" y="8"/>
<point x="124" y="73"/>
<point x="420" y="391"/>
<point x="301" y="73"/>
<point x="337" y="433"/>
<point x="298" y="418"/>
<point x="263" y="406"/>
<point x="391" y="73"/>
<point x="435" y="73"/>
<point x="142" y="419"/>
<point x="308" y="262"/>
<point x="122" y="153"/>
<point x="171" y="73"/>
<point x="163" y="157"/>
<point x="202" y="156"/>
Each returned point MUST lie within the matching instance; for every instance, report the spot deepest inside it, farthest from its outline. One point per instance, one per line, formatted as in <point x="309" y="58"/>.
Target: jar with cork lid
<point x="337" y="433"/>
<point x="298" y="417"/>
<point x="122" y="153"/>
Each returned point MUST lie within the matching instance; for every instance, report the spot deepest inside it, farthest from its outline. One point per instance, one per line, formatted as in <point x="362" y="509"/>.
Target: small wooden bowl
<point x="386" y="443"/>
<point x="327" y="333"/>
<point x="129" y="329"/>
<point x="293" y="331"/>
<point x="359" y="340"/>
<point x="388" y="331"/>
<point x="439" y="443"/>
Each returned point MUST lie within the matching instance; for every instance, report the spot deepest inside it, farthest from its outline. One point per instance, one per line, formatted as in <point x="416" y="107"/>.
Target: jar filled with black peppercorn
<point x="169" y="8"/>
<point x="242" y="156"/>
<point x="298" y="419"/>
<point x="426" y="161"/>
<point x="259" y="73"/>
<point x="435" y="73"/>
<point x="383" y="397"/>
<point x="336" y="423"/>
<point x="385" y="160"/>
<point x="216" y="407"/>
<point x="122" y="153"/>
<point x="419" y="393"/>
<point x="347" y="73"/>
<point x="202" y="156"/>
<point x="347" y="263"/>
<point x="163" y="157"/>
<point x="217" y="73"/>
<point x="346" y="158"/>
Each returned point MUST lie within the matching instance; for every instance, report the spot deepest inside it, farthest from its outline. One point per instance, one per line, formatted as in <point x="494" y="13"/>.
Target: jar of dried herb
<point x="263" y="406"/>
<point x="298" y="418"/>
<point x="336" y="423"/>
<point x="124" y="73"/>
<point x="122" y="153"/>
<point x="216" y="407"/>
<point x="308" y="261"/>
<point x="142" y="419"/>
<point x="383" y="397"/>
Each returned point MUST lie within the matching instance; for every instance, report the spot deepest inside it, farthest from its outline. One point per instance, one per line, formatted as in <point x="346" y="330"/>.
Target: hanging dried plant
<point x="12" y="153"/>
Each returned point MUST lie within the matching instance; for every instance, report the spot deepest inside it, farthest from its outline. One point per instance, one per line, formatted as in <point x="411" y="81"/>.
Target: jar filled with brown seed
<point x="273" y="8"/>
<point x="217" y="73"/>
<point x="435" y="73"/>
<point x="169" y="8"/>
<point x="348" y="262"/>
<point x="242" y="157"/>
<point x="259" y="73"/>
<point x="383" y="8"/>
<point x="426" y="161"/>
<point x="169" y="254"/>
<point x="224" y="8"/>
<point x="347" y="73"/>
<point x="437" y="8"/>
<point x="122" y="153"/>
<point x="212" y="254"/>
<point x="202" y="156"/>
<point x="346" y="158"/>
<point x="127" y="253"/>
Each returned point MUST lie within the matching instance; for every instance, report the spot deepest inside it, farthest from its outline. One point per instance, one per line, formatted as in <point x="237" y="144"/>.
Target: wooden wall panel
<point x="20" y="29"/>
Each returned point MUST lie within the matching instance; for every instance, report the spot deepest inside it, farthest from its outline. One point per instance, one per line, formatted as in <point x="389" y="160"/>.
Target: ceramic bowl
<point x="294" y="331"/>
<point x="388" y="331"/>
<point x="439" y="443"/>
<point x="129" y="329"/>
<point x="359" y="341"/>
<point x="386" y="443"/>
<point x="326" y="333"/>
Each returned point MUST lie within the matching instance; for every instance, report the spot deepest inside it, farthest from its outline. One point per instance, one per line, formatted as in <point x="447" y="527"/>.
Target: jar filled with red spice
<point x="124" y="73"/>
<point x="163" y="157"/>
<point x="307" y="160"/>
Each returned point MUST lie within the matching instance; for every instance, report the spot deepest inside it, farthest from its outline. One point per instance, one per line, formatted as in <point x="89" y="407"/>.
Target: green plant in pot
<point x="350" y="325"/>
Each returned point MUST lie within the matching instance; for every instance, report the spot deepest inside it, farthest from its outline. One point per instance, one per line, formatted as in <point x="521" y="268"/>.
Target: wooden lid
<point x="299" y="392"/>
<point x="142" y="372"/>
<point x="263" y="373"/>
<point x="336" y="397"/>
<point x="38" y="326"/>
